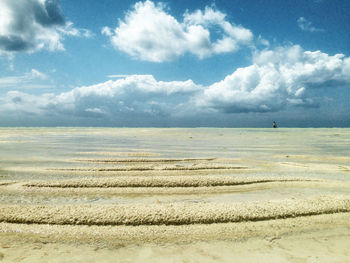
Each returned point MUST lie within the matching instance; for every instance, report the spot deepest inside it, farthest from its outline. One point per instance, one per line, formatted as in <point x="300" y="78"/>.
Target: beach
<point x="174" y="195"/>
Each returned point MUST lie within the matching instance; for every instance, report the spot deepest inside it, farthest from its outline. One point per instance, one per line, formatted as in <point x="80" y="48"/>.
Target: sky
<point x="222" y="63"/>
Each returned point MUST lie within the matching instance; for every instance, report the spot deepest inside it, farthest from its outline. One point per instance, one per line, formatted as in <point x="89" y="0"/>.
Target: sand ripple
<point x="144" y="160"/>
<point x="152" y="168"/>
<point x="172" y="213"/>
<point x="164" y="181"/>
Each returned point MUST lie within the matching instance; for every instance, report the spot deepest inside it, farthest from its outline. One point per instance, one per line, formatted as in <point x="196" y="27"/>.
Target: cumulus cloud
<point x="30" y="25"/>
<point x="149" y="33"/>
<point x="306" y="25"/>
<point x="276" y="78"/>
<point x="134" y="95"/>
<point x="16" y="102"/>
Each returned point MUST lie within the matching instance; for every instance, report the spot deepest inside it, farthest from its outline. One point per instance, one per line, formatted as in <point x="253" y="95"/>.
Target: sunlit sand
<point x="174" y="195"/>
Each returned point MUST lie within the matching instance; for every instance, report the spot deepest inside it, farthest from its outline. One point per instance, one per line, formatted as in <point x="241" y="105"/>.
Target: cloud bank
<point x="149" y="33"/>
<point x="134" y="95"/>
<point x="276" y="79"/>
<point x="30" y="25"/>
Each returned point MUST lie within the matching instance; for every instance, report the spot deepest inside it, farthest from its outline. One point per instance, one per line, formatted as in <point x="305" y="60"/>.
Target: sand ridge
<point x="165" y="181"/>
<point x="144" y="160"/>
<point x="18" y="190"/>
<point x="152" y="168"/>
<point x="173" y="213"/>
<point x="127" y="234"/>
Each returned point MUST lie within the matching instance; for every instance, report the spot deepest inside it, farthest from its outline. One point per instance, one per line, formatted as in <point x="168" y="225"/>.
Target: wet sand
<point x="174" y="195"/>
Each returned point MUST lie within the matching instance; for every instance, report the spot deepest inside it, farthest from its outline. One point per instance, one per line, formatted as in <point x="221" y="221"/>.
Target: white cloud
<point x="37" y="74"/>
<point x="149" y="33"/>
<point x="116" y="76"/>
<point x="262" y="41"/>
<point x="30" y="25"/>
<point x="15" y="102"/>
<point x="95" y="110"/>
<point x="30" y="80"/>
<point x="306" y="25"/>
<point x="276" y="78"/>
<point x="137" y="94"/>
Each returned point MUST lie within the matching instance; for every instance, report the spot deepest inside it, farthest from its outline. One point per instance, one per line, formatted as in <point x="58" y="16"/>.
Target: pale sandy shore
<point x="174" y="195"/>
<point x="322" y="238"/>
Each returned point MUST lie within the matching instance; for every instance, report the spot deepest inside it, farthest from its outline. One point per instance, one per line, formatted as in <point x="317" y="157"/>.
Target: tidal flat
<point x="174" y="195"/>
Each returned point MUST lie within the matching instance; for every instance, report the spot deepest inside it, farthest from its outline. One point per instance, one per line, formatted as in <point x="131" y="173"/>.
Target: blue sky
<point x="175" y="63"/>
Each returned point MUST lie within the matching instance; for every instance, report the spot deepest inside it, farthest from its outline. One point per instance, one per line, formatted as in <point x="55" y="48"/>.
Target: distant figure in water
<point x="274" y="124"/>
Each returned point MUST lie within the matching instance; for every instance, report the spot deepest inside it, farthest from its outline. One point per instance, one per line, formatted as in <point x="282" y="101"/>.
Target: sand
<point x="164" y="181"/>
<point x="172" y="214"/>
<point x="288" y="240"/>
<point x="174" y="195"/>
